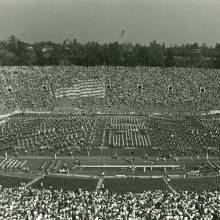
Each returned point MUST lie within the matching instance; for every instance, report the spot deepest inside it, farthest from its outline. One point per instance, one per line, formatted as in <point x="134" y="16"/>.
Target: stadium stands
<point x="88" y="89"/>
<point x="41" y="88"/>
<point x="21" y="203"/>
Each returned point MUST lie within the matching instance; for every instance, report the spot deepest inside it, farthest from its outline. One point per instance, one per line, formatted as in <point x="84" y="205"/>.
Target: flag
<point x="122" y="33"/>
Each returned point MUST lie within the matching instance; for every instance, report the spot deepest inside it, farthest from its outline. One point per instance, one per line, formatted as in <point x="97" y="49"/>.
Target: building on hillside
<point x="30" y="48"/>
<point x="46" y="49"/>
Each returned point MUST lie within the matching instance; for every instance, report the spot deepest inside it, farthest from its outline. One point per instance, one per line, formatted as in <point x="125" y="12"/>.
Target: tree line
<point x="13" y="51"/>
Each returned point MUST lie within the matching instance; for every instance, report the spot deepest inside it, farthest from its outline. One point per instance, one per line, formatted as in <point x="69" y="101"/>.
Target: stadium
<point x="74" y="127"/>
<point x="123" y="124"/>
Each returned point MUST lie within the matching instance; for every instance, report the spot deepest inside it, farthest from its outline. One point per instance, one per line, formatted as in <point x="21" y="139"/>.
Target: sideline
<point x="10" y="114"/>
<point x="27" y="112"/>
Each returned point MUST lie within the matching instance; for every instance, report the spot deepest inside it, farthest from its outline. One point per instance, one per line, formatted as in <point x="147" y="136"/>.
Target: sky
<point x="168" y="21"/>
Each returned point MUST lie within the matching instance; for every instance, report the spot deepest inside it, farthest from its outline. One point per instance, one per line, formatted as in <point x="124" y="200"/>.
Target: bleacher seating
<point x="41" y="88"/>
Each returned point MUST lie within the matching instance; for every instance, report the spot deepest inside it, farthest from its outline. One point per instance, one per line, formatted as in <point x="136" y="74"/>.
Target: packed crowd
<point x="43" y="87"/>
<point x="20" y="203"/>
<point x="164" y="86"/>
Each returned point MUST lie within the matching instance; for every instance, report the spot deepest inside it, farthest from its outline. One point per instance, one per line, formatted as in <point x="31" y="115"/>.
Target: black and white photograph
<point x="109" y="109"/>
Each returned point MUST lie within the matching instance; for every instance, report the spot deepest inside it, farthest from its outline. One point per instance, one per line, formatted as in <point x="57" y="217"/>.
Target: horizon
<point x="111" y="42"/>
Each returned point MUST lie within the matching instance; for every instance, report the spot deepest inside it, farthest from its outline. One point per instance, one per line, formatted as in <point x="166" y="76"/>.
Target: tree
<point x="12" y="43"/>
<point x="169" y="60"/>
<point x="14" y="52"/>
<point x="217" y="56"/>
<point x="156" y="54"/>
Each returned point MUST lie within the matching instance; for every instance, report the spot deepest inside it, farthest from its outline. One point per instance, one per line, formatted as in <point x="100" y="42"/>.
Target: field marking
<point x="127" y="166"/>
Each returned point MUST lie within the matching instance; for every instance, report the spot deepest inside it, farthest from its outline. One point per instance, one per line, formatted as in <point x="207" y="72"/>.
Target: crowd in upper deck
<point x="41" y="87"/>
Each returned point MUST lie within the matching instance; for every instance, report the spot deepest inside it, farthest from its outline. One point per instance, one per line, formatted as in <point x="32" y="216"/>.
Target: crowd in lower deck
<point x="20" y="203"/>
